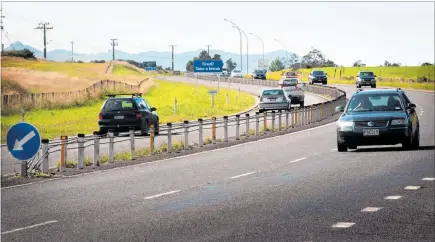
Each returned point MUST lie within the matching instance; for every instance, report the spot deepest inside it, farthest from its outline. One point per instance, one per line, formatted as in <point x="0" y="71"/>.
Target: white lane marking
<point x="168" y="159"/>
<point x="342" y="225"/>
<point x="371" y="209"/>
<point x="421" y="111"/>
<point x="29" y="227"/>
<point x="293" y="161"/>
<point x="162" y="194"/>
<point x="412" y="187"/>
<point x="428" y="179"/>
<point x="335" y="149"/>
<point x="393" y="197"/>
<point x="245" y="174"/>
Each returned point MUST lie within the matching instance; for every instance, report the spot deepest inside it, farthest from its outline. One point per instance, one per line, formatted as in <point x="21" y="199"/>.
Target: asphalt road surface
<point x="10" y="165"/>
<point x="294" y="187"/>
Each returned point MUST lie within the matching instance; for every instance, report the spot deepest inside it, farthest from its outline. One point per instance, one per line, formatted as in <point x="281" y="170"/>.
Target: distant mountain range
<point x="162" y="58"/>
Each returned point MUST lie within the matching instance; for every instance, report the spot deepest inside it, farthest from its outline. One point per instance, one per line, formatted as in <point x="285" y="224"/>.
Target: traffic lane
<point x="10" y="165"/>
<point x="300" y="199"/>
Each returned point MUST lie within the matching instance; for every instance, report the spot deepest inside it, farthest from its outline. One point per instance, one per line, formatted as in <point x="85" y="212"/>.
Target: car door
<point x="412" y="114"/>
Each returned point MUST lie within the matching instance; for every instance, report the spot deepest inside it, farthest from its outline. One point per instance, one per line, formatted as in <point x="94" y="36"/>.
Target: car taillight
<point x="100" y="116"/>
<point x="138" y="115"/>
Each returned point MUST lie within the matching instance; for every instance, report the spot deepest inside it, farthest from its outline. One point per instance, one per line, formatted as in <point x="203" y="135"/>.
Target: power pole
<point x="114" y="43"/>
<point x="1" y="25"/>
<point x="44" y="26"/>
<point x="72" y="51"/>
<point x="172" y="56"/>
<point x="208" y="49"/>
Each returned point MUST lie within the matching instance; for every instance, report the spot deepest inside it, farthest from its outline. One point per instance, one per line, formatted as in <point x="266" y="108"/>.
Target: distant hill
<point x="162" y="58"/>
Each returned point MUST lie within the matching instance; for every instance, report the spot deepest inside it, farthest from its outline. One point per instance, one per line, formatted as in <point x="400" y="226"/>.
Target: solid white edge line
<point x="162" y="194"/>
<point x="29" y="227"/>
<point x="412" y="187"/>
<point x="293" y="161"/>
<point x="244" y="174"/>
<point x="428" y="179"/>
<point x="172" y="158"/>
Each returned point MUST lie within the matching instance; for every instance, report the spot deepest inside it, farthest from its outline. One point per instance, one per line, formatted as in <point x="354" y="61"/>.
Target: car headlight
<point x="397" y="122"/>
<point x="345" y="125"/>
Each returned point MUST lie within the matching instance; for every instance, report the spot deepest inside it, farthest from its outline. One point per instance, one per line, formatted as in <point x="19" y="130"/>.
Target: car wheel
<point x="374" y="86"/>
<point x="341" y="147"/>
<point x="301" y="104"/>
<point x="103" y="131"/>
<point x="407" y="144"/>
<point x="156" y="130"/>
<point x="416" y="142"/>
<point x="144" y="130"/>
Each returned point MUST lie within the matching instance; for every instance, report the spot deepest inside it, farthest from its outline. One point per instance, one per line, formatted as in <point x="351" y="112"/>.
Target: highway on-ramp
<point x="294" y="187"/>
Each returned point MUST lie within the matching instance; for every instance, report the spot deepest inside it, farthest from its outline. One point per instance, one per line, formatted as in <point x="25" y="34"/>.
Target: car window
<point x="366" y="74"/>
<point x="318" y="73"/>
<point x="119" y="105"/>
<point x="375" y="102"/>
<point x="406" y="99"/>
<point x="273" y="92"/>
<point x="290" y="82"/>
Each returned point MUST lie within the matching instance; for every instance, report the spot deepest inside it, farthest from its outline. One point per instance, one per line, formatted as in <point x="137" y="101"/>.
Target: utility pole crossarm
<point x="113" y="44"/>
<point x="44" y="26"/>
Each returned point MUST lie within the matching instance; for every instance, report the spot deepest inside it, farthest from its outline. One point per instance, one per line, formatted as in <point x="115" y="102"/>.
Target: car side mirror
<point x="411" y="106"/>
<point x="375" y="75"/>
<point x="357" y="75"/>
<point x="153" y="109"/>
<point x="339" y="109"/>
<point x="326" y="74"/>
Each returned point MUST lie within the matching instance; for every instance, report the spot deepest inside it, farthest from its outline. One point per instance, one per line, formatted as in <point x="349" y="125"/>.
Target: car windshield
<point x="366" y="74"/>
<point x="318" y="73"/>
<point x="259" y="71"/>
<point x="236" y="71"/>
<point x="375" y="102"/>
<point x="290" y="82"/>
<point x="119" y="105"/>
<point x="273" y="92"/>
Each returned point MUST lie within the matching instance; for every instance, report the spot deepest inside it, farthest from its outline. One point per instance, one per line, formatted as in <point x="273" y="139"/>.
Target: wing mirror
<point x="375" y="76"/>
<point x="411" y="106"/>
<point x="339" y="109"/>
<point x="153" y="109"/>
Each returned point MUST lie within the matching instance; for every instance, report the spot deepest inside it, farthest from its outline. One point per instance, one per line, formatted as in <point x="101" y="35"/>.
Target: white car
<point x="294" y="88"/>
<point x="236" y="74"/>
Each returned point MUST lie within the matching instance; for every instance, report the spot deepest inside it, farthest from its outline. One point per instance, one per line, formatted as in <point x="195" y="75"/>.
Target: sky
<point x="344" y="31"/>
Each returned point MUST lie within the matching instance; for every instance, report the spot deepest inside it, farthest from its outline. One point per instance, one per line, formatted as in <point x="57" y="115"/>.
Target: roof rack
<point x="398" y="89"/>
<point x="359" y="90"/>
<point x="119" y="94"/>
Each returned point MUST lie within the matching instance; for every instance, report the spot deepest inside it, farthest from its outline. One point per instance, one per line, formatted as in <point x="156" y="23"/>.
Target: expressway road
<point x="294" y="187"/>
<point x="10" y="165"/>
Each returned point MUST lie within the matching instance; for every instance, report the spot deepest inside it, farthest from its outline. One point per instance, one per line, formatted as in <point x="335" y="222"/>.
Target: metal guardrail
<point x="296" y="117"/>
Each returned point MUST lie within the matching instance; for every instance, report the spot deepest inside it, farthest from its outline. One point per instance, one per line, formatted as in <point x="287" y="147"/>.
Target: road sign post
<point x="212" y="93"/>
<point x="23" y="142"/>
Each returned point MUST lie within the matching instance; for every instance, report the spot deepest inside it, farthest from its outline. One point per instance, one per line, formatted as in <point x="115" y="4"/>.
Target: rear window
<point x="273" y="92"/>
<point x="119" y="105"/>
<point x="290" y="82"/>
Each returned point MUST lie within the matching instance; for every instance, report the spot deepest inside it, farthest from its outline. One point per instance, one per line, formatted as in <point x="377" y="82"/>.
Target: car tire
<point x="374" y="86"/>
<point x="416" y="142"/>
<point x="103" y="131"/>
<point x="352" y="147"/>
<point x="407" y="144"/>
<point x="144" y="130"/>
<point x="341" y="147"/>
<point x="301" y="104"/>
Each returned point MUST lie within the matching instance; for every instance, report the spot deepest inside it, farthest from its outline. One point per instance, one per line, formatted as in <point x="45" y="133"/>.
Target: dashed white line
<point x="162" y="194"/>
<point x="29" y="227"/>
<point x="245" y="174"/>
<point x="343" y="225"/>
<point x="393" y="197"/>
<point x="335" y="149"/>
<point x="412" y="187"/>
<point x="293" y="161"/>
<point x="371" y="209"/>
<point x="428" y="179"/>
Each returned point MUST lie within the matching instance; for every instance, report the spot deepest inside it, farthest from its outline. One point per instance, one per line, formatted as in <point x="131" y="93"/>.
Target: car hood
<point x="372" y="116"/>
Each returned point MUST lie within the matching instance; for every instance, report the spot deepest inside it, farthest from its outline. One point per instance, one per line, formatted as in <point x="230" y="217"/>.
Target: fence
<point x="37" y="100"/>
<point x="187" y="133"/>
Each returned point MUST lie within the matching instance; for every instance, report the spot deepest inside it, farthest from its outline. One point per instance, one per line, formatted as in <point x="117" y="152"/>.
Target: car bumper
<point x="319" y="80"/>
<point x="260" y="77"/>
<point x="121" y="127"/>
<point x="274" y="106"/>
<point x="387" y="136"/>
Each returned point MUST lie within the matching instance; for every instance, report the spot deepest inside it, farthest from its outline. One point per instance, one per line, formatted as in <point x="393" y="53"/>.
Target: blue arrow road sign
<point x="23" y="141"/>
<point x="208" y="66"/>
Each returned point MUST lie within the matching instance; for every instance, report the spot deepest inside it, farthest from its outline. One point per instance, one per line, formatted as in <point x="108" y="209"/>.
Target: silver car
<point x="274" y="99"/>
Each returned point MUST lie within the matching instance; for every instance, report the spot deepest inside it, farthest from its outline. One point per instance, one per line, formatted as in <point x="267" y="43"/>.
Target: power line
<point x="113" y="44"/>
<point x="44" y="26"/>
<point x="172" y="56"/>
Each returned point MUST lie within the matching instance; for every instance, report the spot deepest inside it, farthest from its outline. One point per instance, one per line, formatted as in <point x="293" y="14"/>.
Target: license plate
<point x="289" y="88"/>
<point x="371" y="132"/>
<point x="118" y="117"/>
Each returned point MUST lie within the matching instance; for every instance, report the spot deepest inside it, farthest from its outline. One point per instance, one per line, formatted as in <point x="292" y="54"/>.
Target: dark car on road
<point x="365" y="78"/>
<point x="120" y="113"/>
<point x="259" y="74"/>
<point x="318" y="76"/>
<point x="378" y="117"/>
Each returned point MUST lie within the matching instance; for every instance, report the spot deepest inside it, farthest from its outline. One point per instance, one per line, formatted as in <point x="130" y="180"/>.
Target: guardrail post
<point x="286" y="118"/>
<point x="186" y="134"/>
<point x="169" y="137"/>
<point x="273" y="120"/>
<point x="45" y="167"/>
<point x="265" y="121"/>
<point x="323" y="111"/>
<point x="257" y="123"/>
<point x="305" y="115"/>
<point x="279" y="120"/>
<point x="81" y="150"/>
<point x="247" y="124"/>
<point x="226" y="128"/>
<point x="201" y="139"/>
<point x="213" y="129"/>
<point x="111" y="144"/>
<point x="132" y="146"/>
<point x="296" y="117"/>
<point x="292" y="118"/>
<point x="64" y="141"/>
<point x="96" y="149"/>
<point x="151" y="133"/>
<point x="237" y="127"/>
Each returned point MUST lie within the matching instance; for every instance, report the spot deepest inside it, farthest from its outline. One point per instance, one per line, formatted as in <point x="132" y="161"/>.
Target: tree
<point x="159" y="68"/>
<point x="189" y="66"/>
<point x="315" y="58"/>
<point x="204" y="55"/>
<point x="427" y="64"/>
<point x="231" y="65"/>
<point x="216" y="57"/>
<point x="276" y="65"/>
<point x="386" y="63"/>
<point x="358" y="63"/>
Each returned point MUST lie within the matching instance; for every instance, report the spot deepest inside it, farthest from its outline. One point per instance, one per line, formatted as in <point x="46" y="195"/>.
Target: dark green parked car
<point x="378" y="117"/>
